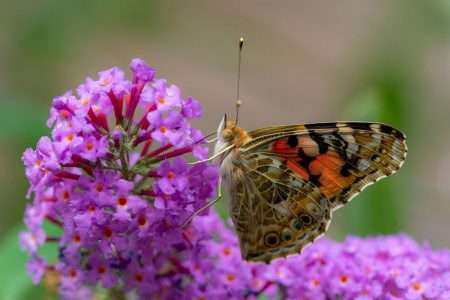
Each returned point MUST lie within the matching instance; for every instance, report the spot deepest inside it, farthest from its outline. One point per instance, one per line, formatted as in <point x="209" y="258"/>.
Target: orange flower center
<point x="89" y="146"/>
<point x="226" y="251"/>
<point x="101" y="270"/>
<point x="105" y="81"/>
<point x="417" y="286"/>
<point x="231" y="277"/>
<point x="76" y="239"/>
<point x="122" y="201"/>
<point x="162" y="100"/>
<point x="163" y="129"/>
<point x="84" y="101"/>
<point x="91" y="208"/>
<point x="65" y="195"/>
<point x="64" y="114"/>
<point x="316" y="282"/>
<point x="99" y="187"/>
<point x="72" y="273"/>
<point x="171" y="175"/>
<point x="69" y="137"/>
<point x="343" y="278"/>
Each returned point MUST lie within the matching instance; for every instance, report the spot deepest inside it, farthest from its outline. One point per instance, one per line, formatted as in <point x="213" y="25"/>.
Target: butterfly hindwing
<point x="275" y="212"/>
<point x="305" y="171"/>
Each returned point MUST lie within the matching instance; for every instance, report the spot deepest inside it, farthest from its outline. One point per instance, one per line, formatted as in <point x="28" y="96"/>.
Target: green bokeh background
<point x="304" y="61"/>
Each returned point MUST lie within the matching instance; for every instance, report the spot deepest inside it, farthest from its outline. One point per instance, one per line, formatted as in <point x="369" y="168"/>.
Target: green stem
<point x="123" y="164"/>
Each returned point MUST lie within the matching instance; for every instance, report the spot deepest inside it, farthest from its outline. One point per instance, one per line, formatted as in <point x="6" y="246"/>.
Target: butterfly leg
<point x="206" y="138"/>
<point x="213" y="140"/>
<point x="206" y="206"/>
<point x="214" y="156"/>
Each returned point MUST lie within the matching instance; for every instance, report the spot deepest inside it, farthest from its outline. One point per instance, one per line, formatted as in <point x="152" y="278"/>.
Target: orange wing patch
<point x="282" y="148"/>
<point x="327" y="171"/>
<point x="333" y="177"/>
<point x="299" y="170"/>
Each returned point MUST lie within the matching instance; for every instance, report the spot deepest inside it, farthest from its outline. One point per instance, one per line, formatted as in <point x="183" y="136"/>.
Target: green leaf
<point x="377" y="209"/>
<point x="22" y="122"/>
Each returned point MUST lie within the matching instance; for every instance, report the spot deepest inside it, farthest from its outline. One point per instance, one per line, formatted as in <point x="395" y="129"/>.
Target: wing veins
<point x="259" y="141"/>
<point x="285" y="185"/>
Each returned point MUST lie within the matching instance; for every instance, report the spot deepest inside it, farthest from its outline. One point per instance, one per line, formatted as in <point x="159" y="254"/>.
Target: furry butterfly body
<point x="284" y="182"/>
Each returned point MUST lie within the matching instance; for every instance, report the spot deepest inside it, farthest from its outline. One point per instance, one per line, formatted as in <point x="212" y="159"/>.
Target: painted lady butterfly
<point x="285" y="182"/>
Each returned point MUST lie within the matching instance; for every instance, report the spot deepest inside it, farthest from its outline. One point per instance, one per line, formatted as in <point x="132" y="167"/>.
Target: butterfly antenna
<point x="238" y="101"/>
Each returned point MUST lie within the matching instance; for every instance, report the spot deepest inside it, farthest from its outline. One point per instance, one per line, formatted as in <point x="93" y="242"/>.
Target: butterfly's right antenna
<point x="238" y="101"/>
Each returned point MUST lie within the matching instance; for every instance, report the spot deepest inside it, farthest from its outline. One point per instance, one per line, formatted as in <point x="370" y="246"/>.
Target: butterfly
<point x="284" y="182"/>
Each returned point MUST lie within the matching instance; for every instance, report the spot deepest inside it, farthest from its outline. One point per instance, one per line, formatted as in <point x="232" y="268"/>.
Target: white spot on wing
<point x="351" y="149"/>
<point x="396" y="147"/>
<point x="349" y="138"/>
<point x="363" y="164"/>
<point x="309" y="146"/>
<point x="376" y="137"/>
<point x="375" y="127"/>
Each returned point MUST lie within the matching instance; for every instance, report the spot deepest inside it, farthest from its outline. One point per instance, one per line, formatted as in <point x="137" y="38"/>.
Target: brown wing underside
<point x="294" y="177"/>
<point x="275" y="213"/>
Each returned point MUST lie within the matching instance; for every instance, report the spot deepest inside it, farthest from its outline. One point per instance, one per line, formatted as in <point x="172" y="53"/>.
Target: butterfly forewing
<point x="288" y="179"/>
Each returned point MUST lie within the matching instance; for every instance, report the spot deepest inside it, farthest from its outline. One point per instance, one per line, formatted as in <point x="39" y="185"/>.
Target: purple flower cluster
<point x="390" y="267"/>
<point x="112" y="178"/>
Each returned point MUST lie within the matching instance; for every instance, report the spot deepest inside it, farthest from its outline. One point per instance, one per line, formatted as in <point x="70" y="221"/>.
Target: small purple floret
<point x="141" y="70"/>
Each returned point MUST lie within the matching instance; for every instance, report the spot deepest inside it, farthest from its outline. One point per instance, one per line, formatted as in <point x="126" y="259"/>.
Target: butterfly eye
<point x="296" y="224"/>
<point x="227" y="134"/>
<point x="306" y="219"/>
<point x="271" y="239"/>
<point x="286" y="235"/>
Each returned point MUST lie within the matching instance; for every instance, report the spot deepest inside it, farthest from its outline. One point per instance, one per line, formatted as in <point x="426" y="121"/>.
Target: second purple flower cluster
<point x="389" y="267"/>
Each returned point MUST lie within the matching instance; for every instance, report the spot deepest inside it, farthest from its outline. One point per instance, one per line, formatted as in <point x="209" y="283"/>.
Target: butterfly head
<point x="228" y="133"/>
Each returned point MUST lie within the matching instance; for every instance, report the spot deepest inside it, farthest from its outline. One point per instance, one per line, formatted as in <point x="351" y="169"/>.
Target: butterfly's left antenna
<point x="238" y="101"/>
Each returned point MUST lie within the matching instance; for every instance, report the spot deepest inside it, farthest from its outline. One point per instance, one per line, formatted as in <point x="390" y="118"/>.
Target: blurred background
<point x="304" y="61"/>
